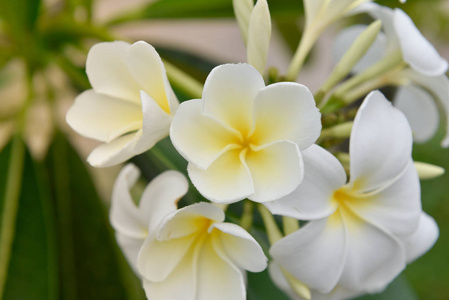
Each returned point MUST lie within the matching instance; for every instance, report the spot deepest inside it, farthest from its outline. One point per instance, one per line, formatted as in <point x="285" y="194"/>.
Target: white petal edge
<point x="416" y="50"/>
<point x="380" y="144"/>
<point x="114" y="152"/>
<point x="323" y="174"/>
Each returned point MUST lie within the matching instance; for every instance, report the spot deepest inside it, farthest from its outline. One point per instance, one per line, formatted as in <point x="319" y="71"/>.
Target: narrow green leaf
<point x="20" y="16"/>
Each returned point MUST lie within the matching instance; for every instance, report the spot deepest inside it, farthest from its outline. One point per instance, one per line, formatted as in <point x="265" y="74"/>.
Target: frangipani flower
<point x="354" y="241"/>
<point x="130" y="106"/>
<point x="415" y="246"/>
<point x="187" y="254"/>
<point x="243" y="139"/>
<point x="195" y="256"/>
<point x="425" y="74"/>
<point x="133" y="223"/>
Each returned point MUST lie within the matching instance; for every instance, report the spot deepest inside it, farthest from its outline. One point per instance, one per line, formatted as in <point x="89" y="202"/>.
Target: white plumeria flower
<point x="354" y="240"/>
<point x="425" y="74"/>
<point x="133" y="222"/>
<point x="195" y="256"/>
<point x="243" y="139"/>
<point x="415" y="245"/>
<point x="130" y="106"/>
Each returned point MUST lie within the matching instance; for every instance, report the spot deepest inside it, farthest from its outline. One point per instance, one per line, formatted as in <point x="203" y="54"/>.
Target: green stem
<point x="183" y="81"/>
<point x="273" y="232"/>
<point x="290" y="225"/>
<point x="11" y="205"/>
<point x="305" y="45"/>
<point x="247" y="217"/>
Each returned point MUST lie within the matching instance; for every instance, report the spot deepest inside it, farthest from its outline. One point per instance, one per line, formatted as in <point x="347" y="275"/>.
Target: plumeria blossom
<point x="422" y="81"/>
<point x="243" y="139"/>
<point x="355" y="239"/>
<point x="130" y="105"/>
<point x="189" y="253"/>
<point x="415" y="246"/>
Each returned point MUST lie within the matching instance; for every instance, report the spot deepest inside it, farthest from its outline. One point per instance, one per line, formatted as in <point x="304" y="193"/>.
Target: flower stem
<point x="183" y="81"/>
<point x="247" y="217"/>
<point x="273" y="232"/>
<point x="289" y="225"/>
<point x="305" y="45"/>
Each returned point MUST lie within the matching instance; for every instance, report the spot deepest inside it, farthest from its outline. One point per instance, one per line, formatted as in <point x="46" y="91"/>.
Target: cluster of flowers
<point x="247" y="140"/>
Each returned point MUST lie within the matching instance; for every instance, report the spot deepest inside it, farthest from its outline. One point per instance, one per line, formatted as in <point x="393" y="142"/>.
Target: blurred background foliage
<point x="55" y="237"/>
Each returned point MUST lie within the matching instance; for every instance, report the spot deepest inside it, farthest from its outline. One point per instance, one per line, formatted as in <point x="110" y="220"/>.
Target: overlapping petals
<point x="425" y="75"/>
<point x="195" y="256"/>
<point x="131" y="103"/>
<point x="354" y="242"/>
<point x="134" y="222"/>
<point x="244" y="139"/>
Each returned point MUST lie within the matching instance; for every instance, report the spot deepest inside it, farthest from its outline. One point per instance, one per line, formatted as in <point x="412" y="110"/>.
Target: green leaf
<point x="32" y="270"/>
<point x="260" y="287"/>
<point x="91" y="265"/>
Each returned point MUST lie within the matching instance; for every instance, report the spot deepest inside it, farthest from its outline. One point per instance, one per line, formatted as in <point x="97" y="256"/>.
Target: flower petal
<point x="416" y="50"/>
<point x="108" y="71"/>
<point x="315" y="254"/>
<point x="286" y="111"/>
<point x="157" y="260"/>
<point x="422" y="239"/>
<point x="276" y="169"/>
<point x="155" y="125"/>
<point x="180" y="284"/>
<point x="323" y="174"/>
<point x="227" y="180"/>
<point x="198" y="138"/>
<point x="275" y="272"/>
<point x="229" y="94"/>
<point x="124" y="215"/>
<point x="146" y="66"/>
<point x="188" y="220"/>
<point x="396" y="208"/>
<point x="114" y="152"/>
<point x="240" y="247"/>
<point x="380" y="144"/>
<point x="346" y="37"/>
<point x="102" y="117"/>
<point x="130" y="248"/>
<point x="259" y="34"/>
<point x="439" y="88"/>
<point x="217" y="278"/>
<point x="420" y="109"/>
<point x="161" y="196"/>
<point x="374" y="257"/>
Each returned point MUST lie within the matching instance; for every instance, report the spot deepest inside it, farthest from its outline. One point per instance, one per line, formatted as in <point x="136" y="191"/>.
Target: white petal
<point x="240" y="247"/>
<point x="422" y="239"/>
<point x="374" y="257"/>
<point x="323" y="174"/>
<point x="346" y="37"/>
<point x="114" y="152"/>
<point x="439" y="88"/>
<point x="157" y="260"/>
<point x="421" y="111"/>
<point x="380" y="144"/>
<point x="229" y="94"/>
<point x="315" y="254"/>
<point x="396" y="208"/>
<point x="198" y="138"/>
<point x="416" y="50"/>
<point x="276" y="170"/>
<point x="286" y="111"/>
<point x="102" y="117"/>
<point x="130" y="248"/>
<point x="217" y="278"/>
<point x="227" y="180"/>
<point x="108" y="71"/>
<point x="180" y="284"/>
<point x="312" y="7"/>
<point x="259" y="33"/>
<point x="278" y="278"/>
<point x="148" y="70"/>
<point x="161" y="196"/>
<point x="188" y="220"/>
<point x="155" y="126"/>
<point x="125" y="216"/>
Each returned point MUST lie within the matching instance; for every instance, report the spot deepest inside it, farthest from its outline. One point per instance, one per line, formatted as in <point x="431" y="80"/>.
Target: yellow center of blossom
<point x="345" y="198"/>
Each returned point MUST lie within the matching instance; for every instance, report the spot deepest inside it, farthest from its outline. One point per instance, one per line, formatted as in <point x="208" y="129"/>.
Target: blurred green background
<point x="60" y="244"/>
